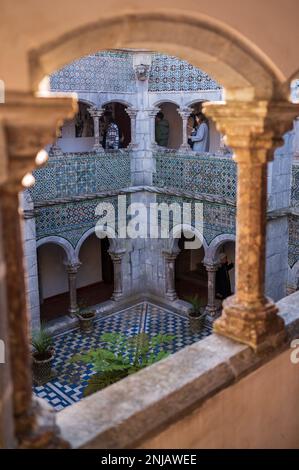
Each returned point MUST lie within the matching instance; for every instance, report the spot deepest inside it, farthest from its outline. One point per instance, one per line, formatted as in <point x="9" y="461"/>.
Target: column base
<point x="258" y="326"/>
<point x="212" y="311"/>
<point x="185" y="148"/>
<point x="98" y="148"/>
<point x="172" y="296"/>
<point x="117" y="296"/>
<point x="73" y="312"/>
<point x="43" y="433"/>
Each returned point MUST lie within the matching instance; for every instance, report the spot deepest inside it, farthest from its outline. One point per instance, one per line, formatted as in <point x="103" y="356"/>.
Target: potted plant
<point x="42" y="356"/>
<point x="197" y="313"/>
<point x="86" y="318"/>
<point x="121" y="356"/>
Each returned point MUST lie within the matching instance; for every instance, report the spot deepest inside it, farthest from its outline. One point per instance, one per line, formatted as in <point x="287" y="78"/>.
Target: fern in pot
<point x="197" y="314"/>
<point x="42" y="356"/>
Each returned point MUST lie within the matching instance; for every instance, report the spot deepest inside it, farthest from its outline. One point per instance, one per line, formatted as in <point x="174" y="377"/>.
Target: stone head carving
<point x="142" y="72"/>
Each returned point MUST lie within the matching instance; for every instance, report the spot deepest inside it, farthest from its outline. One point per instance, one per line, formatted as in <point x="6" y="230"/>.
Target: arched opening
<point x="226" y="249"/>
<point x="168" y="126"/>
<point x="190" y="273"/>
<point x="77" y="134"/>
<point x="118" y="112"/>
<point x="95" y="276"/>
<point x="215" y="141"/>
<point x="53" y="281"/>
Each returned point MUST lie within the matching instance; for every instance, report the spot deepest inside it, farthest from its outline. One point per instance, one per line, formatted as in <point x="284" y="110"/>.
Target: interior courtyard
<point x="104" y="123"/>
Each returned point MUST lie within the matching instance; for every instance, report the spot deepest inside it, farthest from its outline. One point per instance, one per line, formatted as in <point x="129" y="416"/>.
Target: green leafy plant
<point x="122" y="356"/>
<point x="197" y="305"/>
<point x="42" y="343"/>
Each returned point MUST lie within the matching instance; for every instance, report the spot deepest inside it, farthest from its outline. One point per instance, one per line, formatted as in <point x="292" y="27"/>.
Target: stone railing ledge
<point x="126" y="413"/>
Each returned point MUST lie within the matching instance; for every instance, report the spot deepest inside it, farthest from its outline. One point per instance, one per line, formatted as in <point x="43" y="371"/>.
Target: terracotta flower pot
<point x="42" y="366"/>
<point x="86" y="320"/>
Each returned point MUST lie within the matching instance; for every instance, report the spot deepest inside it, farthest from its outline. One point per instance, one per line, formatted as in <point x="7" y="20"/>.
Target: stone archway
<point x="231" y="59"/>
<point x="29" y="123"/>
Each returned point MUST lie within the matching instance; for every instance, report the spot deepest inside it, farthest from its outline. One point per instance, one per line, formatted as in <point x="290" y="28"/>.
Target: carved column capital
<point x="132" y="112"/>
<point x="95" y="112"/>
<point x="116" y="255"/>
<point x="185" y="112"/>
<point x="29" y="124"/>
<point x="211" y="267"/>
<point x="72" y="268"/>
<point x="253" y="129"/>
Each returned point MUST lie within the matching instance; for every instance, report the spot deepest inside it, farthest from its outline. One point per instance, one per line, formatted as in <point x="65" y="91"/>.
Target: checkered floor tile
<point x="68" y="385"/>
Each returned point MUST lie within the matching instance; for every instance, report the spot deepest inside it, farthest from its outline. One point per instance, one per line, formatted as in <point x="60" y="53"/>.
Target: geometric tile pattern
<point x="70" y="220"/>
<point x="217" y="218"/>
<point x="76" y="174"/>
<point x="67" y="387"/>
<point x="112" y="71"/>
<point x="104" y="71"/>
<point x="168" y="73"/>
<point x="295" y="186"/>
<point x="293" y="254"/>
<point x="205" y="175"/>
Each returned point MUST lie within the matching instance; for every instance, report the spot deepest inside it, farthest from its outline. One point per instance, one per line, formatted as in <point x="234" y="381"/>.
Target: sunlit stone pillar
<point x="170" y="257"/>
<point x="253" y="130"/>
<point x="132" y="113"/>
<point x="72" y="270"/>
<point x="185" y="113"/>
<point x="96" y="114"/>
<point x="211" y="270"/>
<point x="116" y="257"/>
<point x="30" y="125"/>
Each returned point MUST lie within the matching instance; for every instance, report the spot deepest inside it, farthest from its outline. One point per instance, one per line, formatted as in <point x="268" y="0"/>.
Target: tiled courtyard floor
<point x="67" y="387"/>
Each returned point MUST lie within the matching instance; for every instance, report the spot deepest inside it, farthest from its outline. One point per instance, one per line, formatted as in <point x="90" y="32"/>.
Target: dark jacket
<point x="223" y="287"/>
<point x="162" y="132"/>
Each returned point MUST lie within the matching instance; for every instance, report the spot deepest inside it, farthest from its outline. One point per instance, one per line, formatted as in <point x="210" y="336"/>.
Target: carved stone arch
<point x="213" y="249"/>
<point x="226" y="55"/>
<point x="71" y="257"/>
<point x="109" y="232"/>
<point x="176" y="233"/>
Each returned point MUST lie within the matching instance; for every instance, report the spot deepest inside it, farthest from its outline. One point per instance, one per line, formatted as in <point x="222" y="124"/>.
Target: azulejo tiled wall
<point x="70" y="220"/>
<point x="76" y="174"/>
<point x="293" y="240"/>
<point x="168" y="73"/>
<point x="108" y="71"/>
<point x="217" y="218"/>
<point x="112" y="71"/>
<point x="295" y="186"/>
<point x="199" y="174"/>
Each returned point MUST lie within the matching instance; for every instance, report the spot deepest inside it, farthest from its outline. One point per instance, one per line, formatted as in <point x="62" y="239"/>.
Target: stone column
<point x="211" y="270"/>
<point x="30" y="253"/>
<point x="185" y="113"/>
<point x="72" y="270"/>
<point x="55" y="148"/>
<point x="30" y="125"/>
<point x="170" y="257"/>
<point x="116" y="257"/>
<point x="132" y="112"/>
<point x="96" y="114"/>
<point x="253" y="130"/>
<point x="152" y="113"/>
